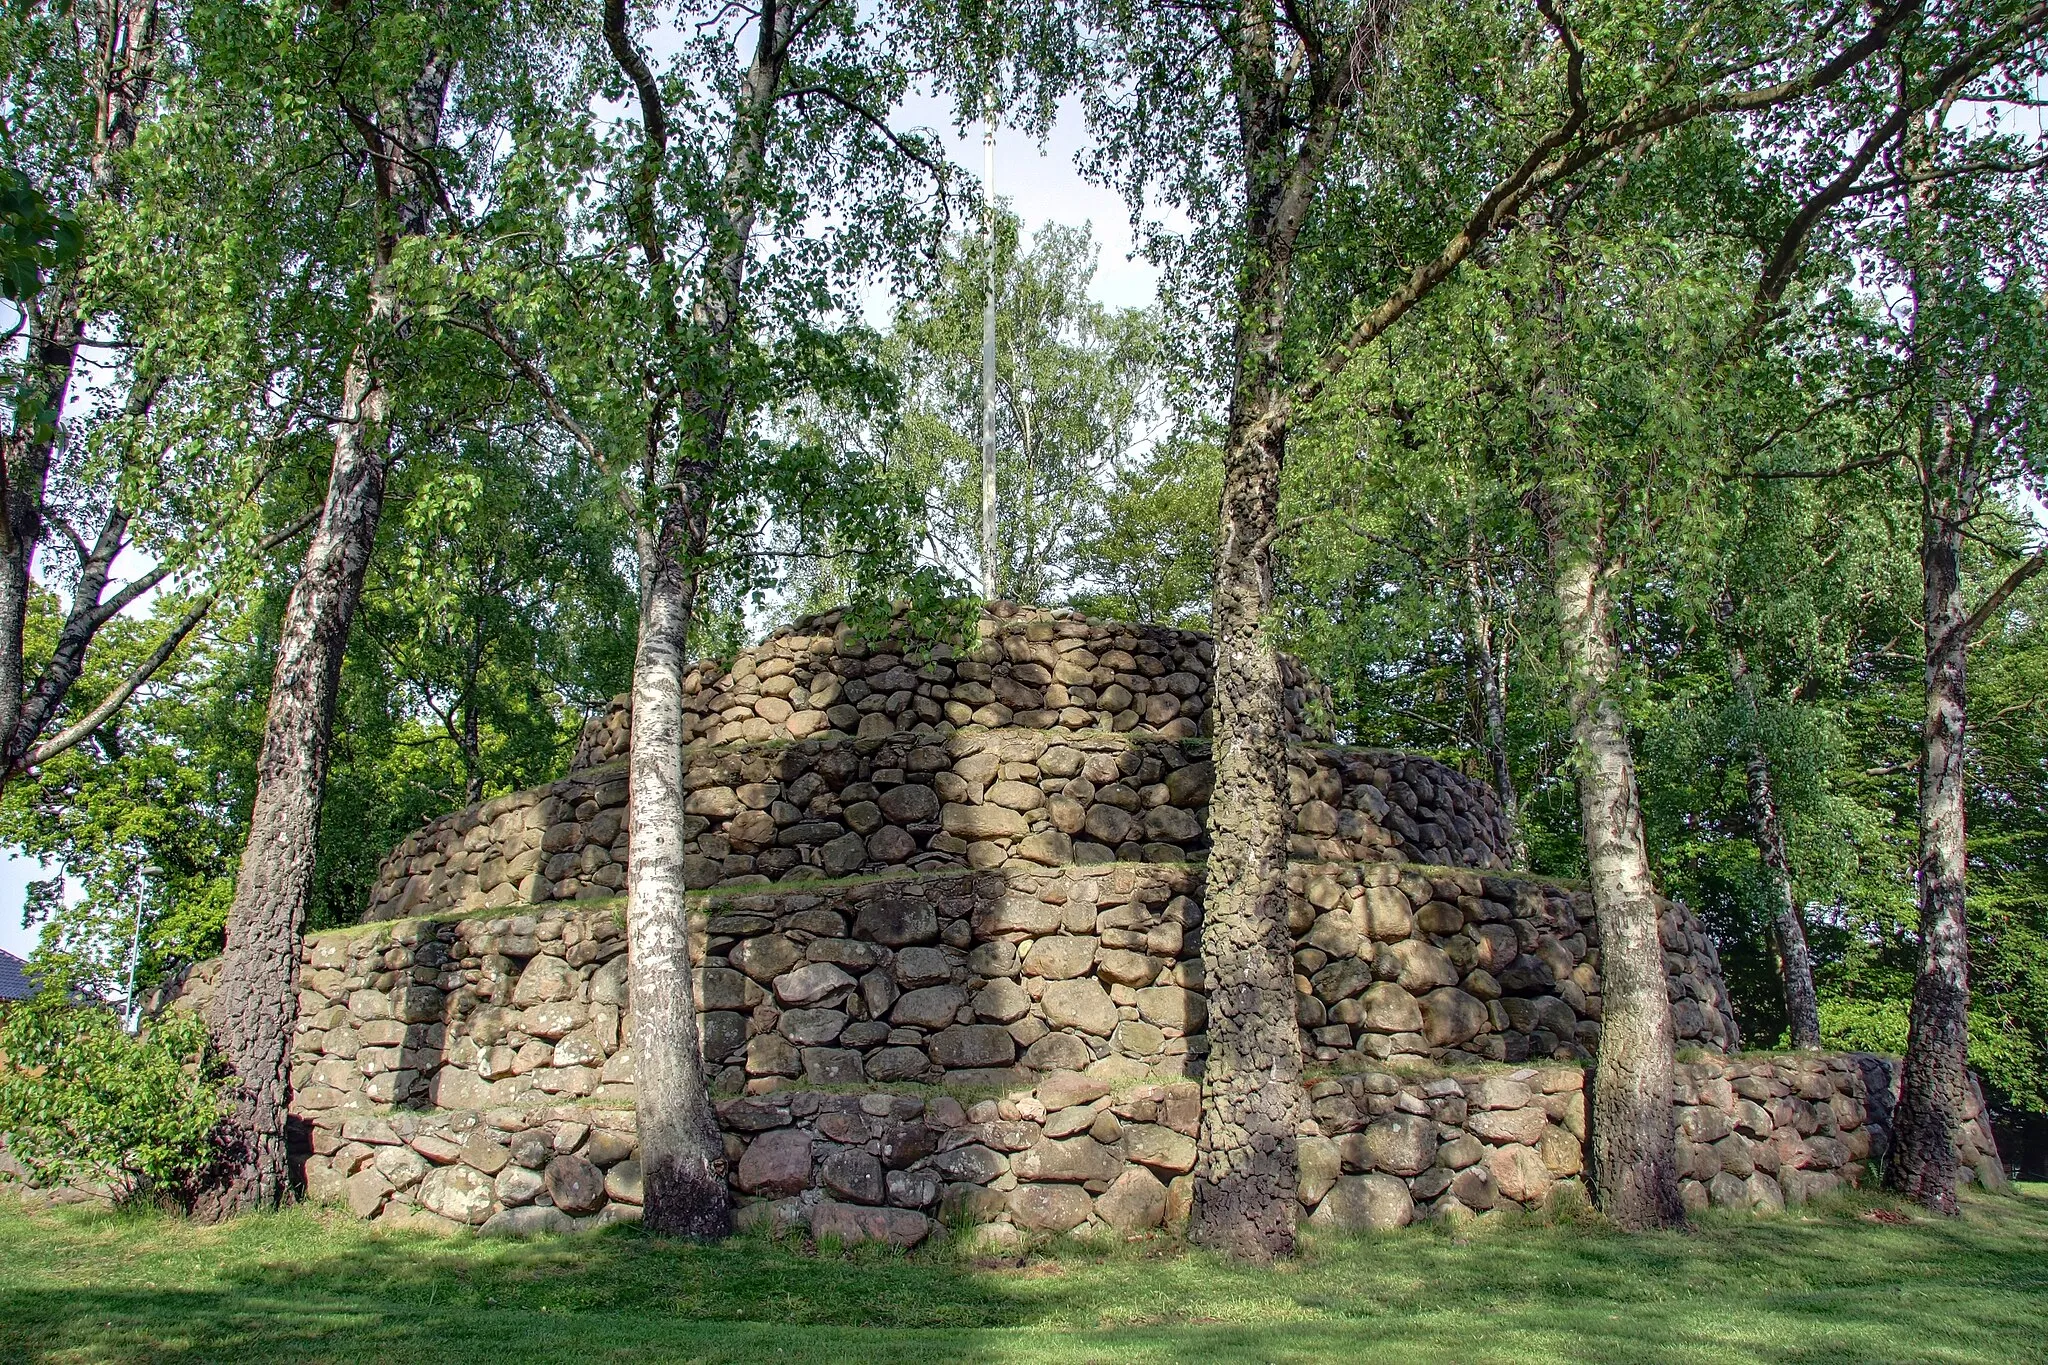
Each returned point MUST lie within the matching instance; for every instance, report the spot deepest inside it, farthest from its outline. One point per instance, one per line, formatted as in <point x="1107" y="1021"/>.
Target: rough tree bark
<point x="1795" y="962"/>
<point x="1253" y="1100"/>
<point x="1934" y="1090"/>
<point x="1633" y="1146"/>
<point x="255" y="1008"/>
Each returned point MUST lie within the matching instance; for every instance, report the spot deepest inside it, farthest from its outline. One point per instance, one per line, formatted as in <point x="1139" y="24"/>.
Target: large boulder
<point x="1361" y="1203"/>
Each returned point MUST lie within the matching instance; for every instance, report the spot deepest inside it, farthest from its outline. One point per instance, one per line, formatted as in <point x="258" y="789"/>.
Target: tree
<point x="77" y="94"/>
<point x="1242" y="116"/>
<point x="1975" y="343"/>
<point x="389" y="81"/>
<point x="706" y="295"/>
<point x="1075" y="398"/>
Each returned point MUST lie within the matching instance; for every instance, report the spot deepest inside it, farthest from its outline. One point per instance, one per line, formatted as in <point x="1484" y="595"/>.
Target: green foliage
<point x="1151" y="554"/>
<point x="81" y="1099"/>
<point x="1076" y="395"/>
<point x="34" y="237"/>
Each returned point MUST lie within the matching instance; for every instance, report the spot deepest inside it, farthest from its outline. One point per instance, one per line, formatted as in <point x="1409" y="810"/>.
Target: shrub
<point x="81" y="1100"/>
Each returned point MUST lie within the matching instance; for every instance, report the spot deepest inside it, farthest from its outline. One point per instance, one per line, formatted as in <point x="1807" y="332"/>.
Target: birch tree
<point x="755" y="186"/>
<point x="1266" y="124"/>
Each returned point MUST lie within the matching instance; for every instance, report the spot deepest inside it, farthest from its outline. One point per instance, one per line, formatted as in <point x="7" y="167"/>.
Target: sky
<point x="1042" y="186"/>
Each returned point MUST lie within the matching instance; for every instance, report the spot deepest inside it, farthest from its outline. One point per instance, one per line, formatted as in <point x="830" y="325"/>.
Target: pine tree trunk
<point x="255" y="1009"/>
<point x="1935" y="1089"/>
<point x="1633" y="1145"/>
<point x="682" y="1155"/>
<point x="1253" y="1101"/>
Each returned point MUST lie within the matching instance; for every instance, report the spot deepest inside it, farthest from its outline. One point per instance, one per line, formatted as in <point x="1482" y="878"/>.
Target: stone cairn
<point x="948" y="937"/>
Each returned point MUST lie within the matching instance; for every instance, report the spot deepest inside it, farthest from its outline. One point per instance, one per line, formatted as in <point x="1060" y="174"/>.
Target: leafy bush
<point x="82" y="1100"/>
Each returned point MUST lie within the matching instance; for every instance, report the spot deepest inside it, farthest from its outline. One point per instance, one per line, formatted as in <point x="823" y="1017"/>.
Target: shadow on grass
<point x="305" y="1285"/>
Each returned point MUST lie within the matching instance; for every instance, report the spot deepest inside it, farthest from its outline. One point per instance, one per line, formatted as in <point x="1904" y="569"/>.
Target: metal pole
<point x="991" y="568"/>
<point x="134" y="1015"/>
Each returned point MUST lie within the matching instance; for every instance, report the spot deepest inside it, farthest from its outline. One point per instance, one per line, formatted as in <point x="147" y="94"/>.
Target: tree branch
<point x="84" y="728"/>
<point x="2014" y="581"/>
<point x="873" y="120"/>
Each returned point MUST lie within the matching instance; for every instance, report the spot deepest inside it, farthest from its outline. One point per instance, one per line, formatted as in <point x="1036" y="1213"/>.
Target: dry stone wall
<point x="980" y="798"/>
<point x="967" y="979"/>
<point x="1053" y="740"/>
<point x="1075" y="1153"/>
<point x="1029" y="668"/>
<point x="948" y="969"/>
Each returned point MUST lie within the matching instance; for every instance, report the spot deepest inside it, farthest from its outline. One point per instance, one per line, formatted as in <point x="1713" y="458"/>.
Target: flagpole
<point x="991" y="574"/>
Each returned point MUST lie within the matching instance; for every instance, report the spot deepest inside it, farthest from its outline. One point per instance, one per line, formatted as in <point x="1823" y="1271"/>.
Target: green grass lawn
<point x="1828" y="1284"/>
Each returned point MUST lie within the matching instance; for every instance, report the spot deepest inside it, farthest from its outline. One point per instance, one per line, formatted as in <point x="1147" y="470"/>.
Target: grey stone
<point x="813" y="982"/>
<point x="1076" y="1160"/>
<point x="623" y="1182"/>
<point x="973" y="1045"/>
<point x="460" y="1193"/>
<point x="1080" y="1004"/>
<point x="517" y="1185"/>
<point x="1360" y="1203"/>
<point x="897" y="922"/>
<point x="930" y="1007"/>
<point x="853" y="1174"/>
<point x="531" y="1221"/>
<point x="1134" y="1202"/>
<point x="1050" y="1208"/>
<point x="849" y="1223"/>
<point x="832" y="1066"/>
<point x="776" y="1163"/>
<point x="808" y="1028"/>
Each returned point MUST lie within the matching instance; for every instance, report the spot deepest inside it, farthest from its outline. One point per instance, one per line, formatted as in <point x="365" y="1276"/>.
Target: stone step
<point x="982" y="798"/>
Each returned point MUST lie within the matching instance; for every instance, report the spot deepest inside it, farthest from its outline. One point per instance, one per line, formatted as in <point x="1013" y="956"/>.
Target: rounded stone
<point x="1451" y="1017"/>
<point x="897" y="922"/>
<point x="576" y="1186"/>
<point x="1134" y="1202"/>
<point x="776" y="1163"/>
<point x="1361" y="1203"/>
<point x="1050" y="1208"/>
<point x="929" y="1007"/>
<point x="1081" y="1004"/>
<point x="853" y="1174"/>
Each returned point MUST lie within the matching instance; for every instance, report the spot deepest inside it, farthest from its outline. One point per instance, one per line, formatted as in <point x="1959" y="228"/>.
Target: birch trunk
<point x="1934" y="1091"/>
<point x="1493" y="703"/>
<point x="681" y="1152"/>
<point x="255" y="1008"/>
<point x="1633" y="1145"/>
<point x="1253" y="1101"/>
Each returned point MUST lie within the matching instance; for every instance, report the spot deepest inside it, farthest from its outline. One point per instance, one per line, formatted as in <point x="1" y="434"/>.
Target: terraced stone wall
<point x="1016" y="1050"/>
<point x="980" y="798"/>
<point x="1073" y="1153"/>
<point x="963" y="979"/>
<point x="1028" y="668"/>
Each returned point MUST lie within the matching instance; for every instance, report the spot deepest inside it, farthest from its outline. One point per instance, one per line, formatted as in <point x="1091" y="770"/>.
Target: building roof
<point x="14" y="978"/>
